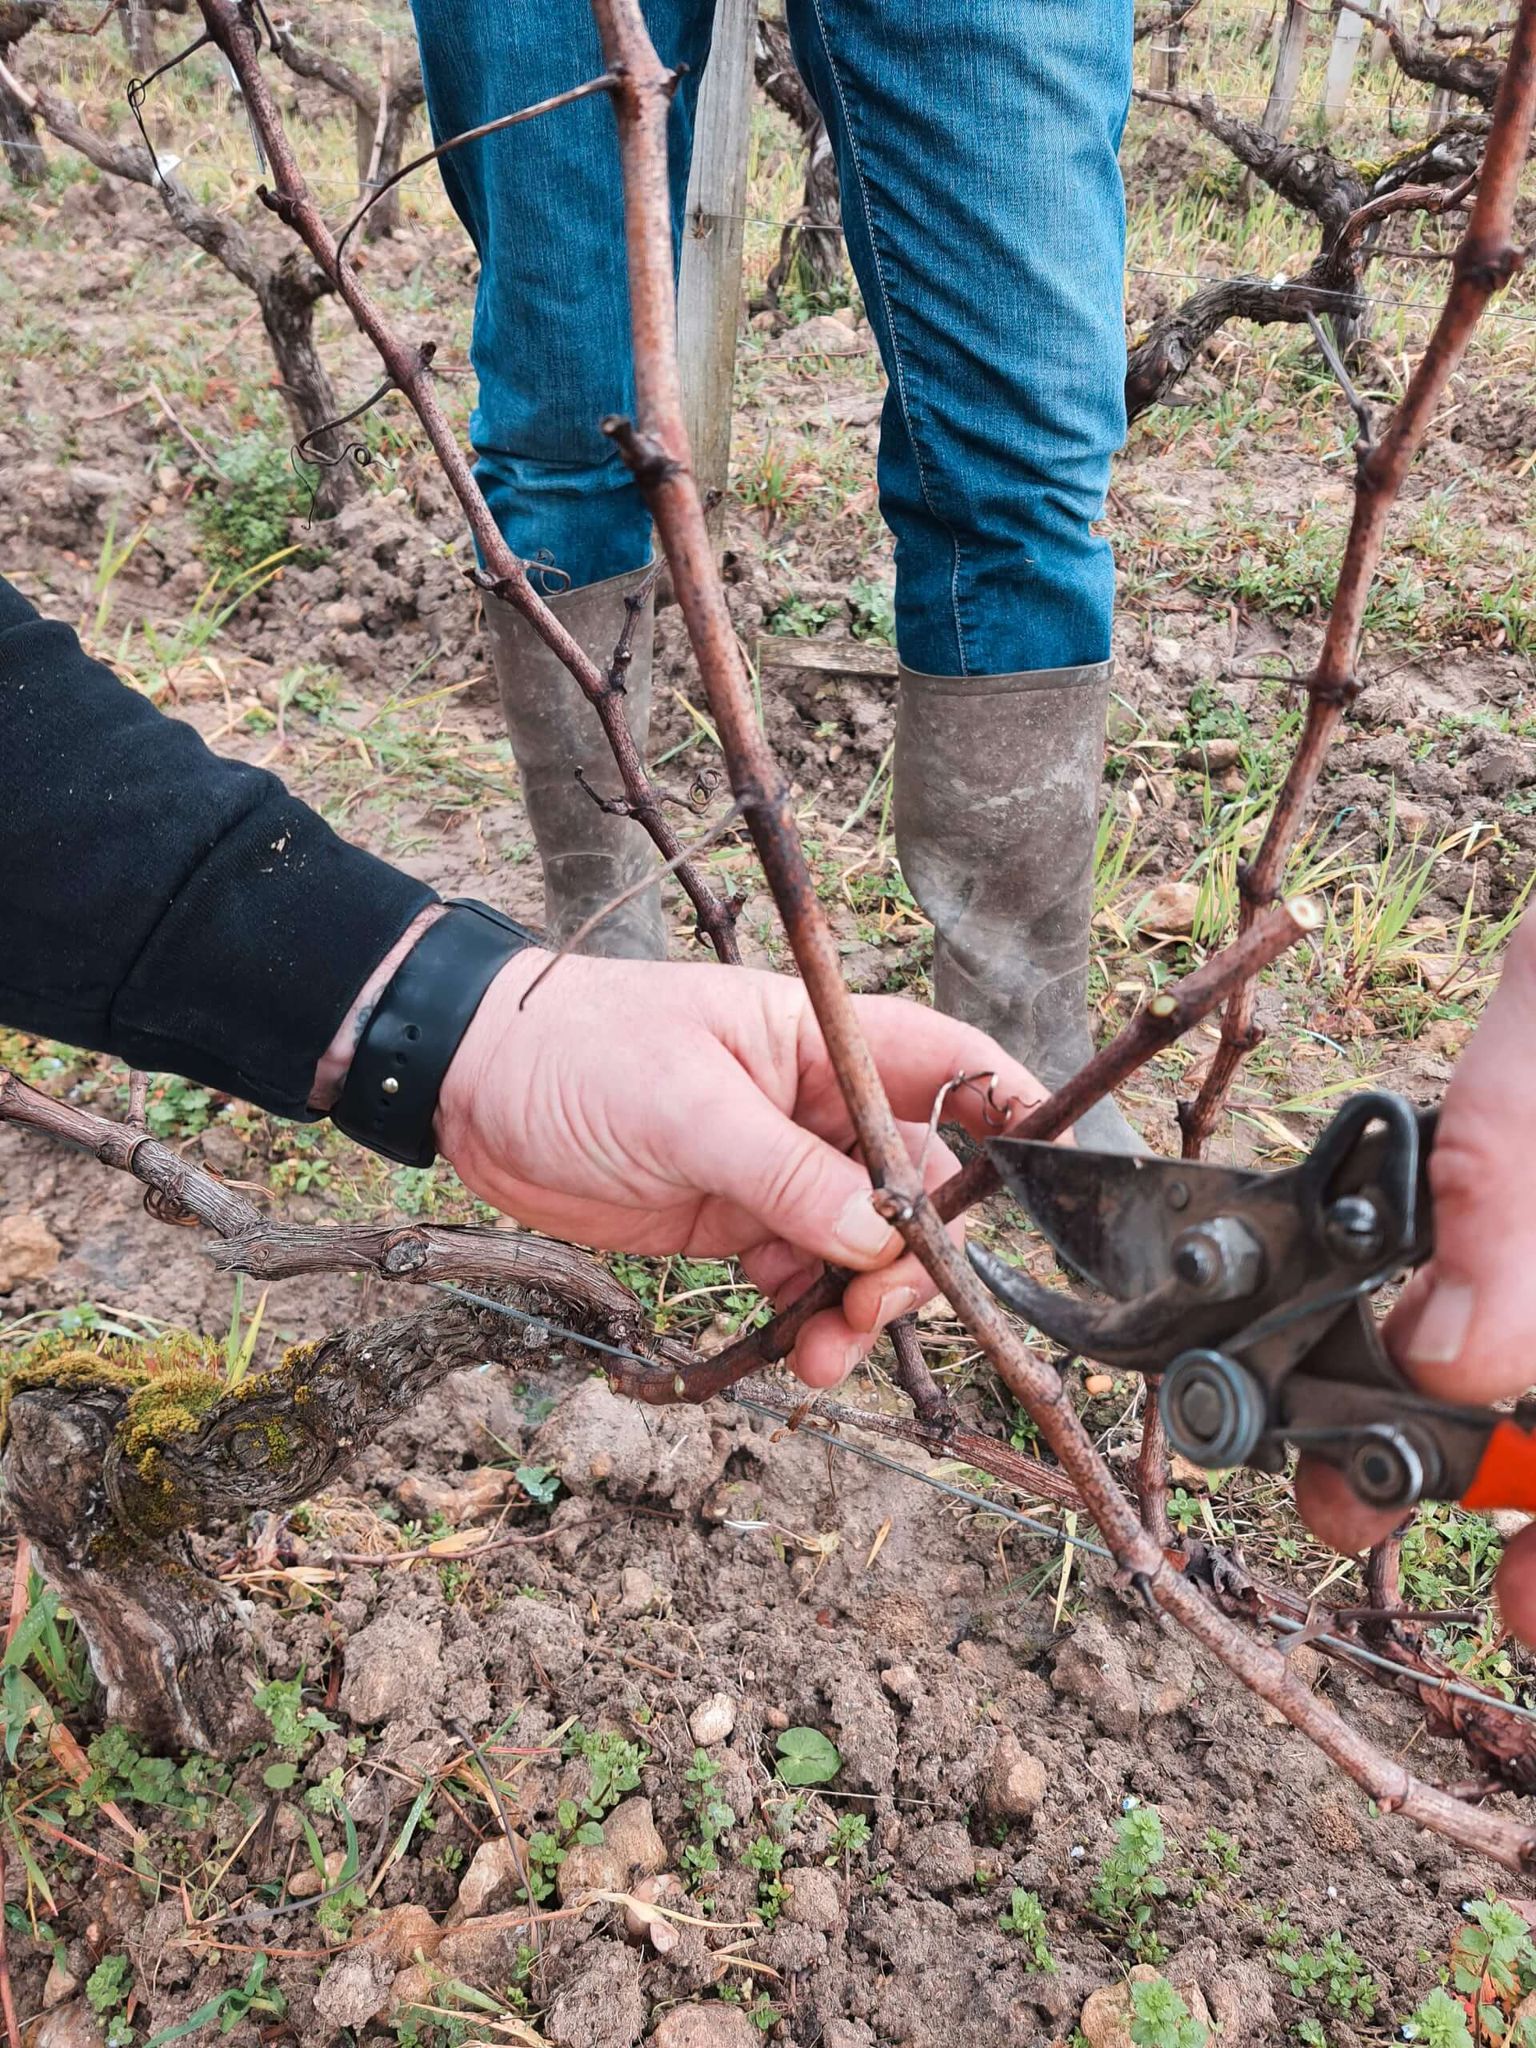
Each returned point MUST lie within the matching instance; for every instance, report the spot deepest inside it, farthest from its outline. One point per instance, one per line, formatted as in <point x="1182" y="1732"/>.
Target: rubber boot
<point x="589" y="855"/>
<point x="997" y="786"/>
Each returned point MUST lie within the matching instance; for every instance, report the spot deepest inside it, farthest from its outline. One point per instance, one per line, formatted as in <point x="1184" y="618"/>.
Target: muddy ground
<point x="702" y="1583"/>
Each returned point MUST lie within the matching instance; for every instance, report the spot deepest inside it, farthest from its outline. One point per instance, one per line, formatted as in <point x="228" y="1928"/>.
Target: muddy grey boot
<point x="997" y="788"/>
<point x="589" y="856"/>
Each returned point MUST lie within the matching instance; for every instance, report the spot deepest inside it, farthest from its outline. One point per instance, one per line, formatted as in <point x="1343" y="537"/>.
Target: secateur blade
<point x="1111" y="1216"/>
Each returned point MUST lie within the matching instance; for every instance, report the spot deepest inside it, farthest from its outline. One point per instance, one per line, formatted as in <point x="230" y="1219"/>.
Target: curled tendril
<point x="548" y="577"/>
<point x="358" y="452"/>
<point x="138" y="89"/>
<point x="165" y="1208"/>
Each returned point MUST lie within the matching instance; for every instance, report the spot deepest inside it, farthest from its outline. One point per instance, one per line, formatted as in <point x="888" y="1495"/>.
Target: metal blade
<point x="1111" y="1216"/>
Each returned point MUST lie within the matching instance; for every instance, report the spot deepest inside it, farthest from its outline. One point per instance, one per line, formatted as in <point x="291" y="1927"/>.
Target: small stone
<point x="1166" y="654"/>
<point x="775" y="1717"/>
<point x="346" y="614"/>
<point x="28" y="1250"/>
<point x="1106" y="2018"/>
<point x="824" y="335"/>
<point x="1014" y="1787"/>
<point x="58" y="1985"/>
<point x="705" y="2026"/>
<point x="815" y="1900"/>
<point x="1214" y="756"/>
<point x="637" y="1593"/>
<point x="1099" y="1383"/>
<point x="308" y="1882"/>
<point x="68" y="2026"/>
<point x="1171" y="908"/>
<point x="712" y="1720"/>
<point x="493" y="1880"/>
<point x="630" y="1847"/>
<point x="413" y="1986"/>
<point x="480" y="1493"/>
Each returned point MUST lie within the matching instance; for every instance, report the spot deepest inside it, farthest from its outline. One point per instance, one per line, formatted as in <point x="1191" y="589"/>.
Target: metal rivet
<point x="390" y="1085"/>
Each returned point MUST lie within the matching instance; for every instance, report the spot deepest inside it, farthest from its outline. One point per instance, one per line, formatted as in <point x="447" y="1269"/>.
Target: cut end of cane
<point x="1163" y="1005"/>
<point x="1305" y="912"/>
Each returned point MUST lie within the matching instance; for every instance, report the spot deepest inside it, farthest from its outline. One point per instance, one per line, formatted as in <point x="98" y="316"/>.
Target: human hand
<point x="652" y="1108"/>
<point x="1465" y="1329"/>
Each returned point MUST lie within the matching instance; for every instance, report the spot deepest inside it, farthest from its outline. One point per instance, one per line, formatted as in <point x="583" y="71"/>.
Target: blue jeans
<point x="976" y="145"/>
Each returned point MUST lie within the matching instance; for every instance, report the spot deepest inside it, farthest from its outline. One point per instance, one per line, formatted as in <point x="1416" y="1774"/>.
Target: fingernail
<point x="853" y="1356"/>
<point x="1444" y="1320"/>
<point x="895" y="1302"/>
<point x="860" y="1231"/>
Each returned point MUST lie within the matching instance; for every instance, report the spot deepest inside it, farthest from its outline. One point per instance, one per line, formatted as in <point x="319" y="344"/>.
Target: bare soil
<point x="710" y="1554"/>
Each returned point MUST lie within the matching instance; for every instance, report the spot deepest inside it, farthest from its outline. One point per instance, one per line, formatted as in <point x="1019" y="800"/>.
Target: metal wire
<point x="1271" y="1618"/>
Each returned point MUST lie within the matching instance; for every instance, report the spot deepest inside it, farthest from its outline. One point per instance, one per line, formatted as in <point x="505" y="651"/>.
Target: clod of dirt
<point x="1015" y="1782"/>
<point x="479" y="1952"/>
<point x="705" y="2026"/>
<point x="1106" y="2020"/>
<point x="630" y="1847"/>
<point x="940" y="1858"/>
<point x="1501" y="765"/>
<point x="354" y="1989"/>
<point x="815" y="1900"/>
<point x="600" y="2003"/>
<point x="401" y="1933"/>
<point x="28" y="1251"/>
<point x="1243" y="2004"/>
<point x="69" y="2026"/>
<point x="594" y="1439"/>
<point x="395" y="1662"/>
<point x="847" y="2034"/>
<point x="1092" y="1666"/>
<point x="712" y="1720"/>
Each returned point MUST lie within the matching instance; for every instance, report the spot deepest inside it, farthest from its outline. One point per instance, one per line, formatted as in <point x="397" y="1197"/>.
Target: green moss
<point x="170" y="1404"/>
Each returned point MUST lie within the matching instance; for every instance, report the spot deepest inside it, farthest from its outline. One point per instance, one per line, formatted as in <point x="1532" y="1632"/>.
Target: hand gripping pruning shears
<point x="1248" y="1295"/>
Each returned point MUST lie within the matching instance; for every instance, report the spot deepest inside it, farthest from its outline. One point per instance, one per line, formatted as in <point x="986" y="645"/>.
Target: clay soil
<point x="696" y="1584"/>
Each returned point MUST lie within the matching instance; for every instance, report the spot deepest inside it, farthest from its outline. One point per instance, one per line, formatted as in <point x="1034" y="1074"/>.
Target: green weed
<point x="1128" y="1887"/>
<point x="1025" y="1917"/>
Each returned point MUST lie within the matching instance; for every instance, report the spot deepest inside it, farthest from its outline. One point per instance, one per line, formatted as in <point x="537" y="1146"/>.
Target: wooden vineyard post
<point x="1348" y="31"/>
<point x="709" y="291"/>
<point x="1290" y="54"/>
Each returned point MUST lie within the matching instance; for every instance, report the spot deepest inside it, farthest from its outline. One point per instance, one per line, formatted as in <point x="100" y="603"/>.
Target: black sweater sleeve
<point x="180" y="911"/>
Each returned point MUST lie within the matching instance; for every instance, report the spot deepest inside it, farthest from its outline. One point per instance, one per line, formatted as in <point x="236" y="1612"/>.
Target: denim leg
<point x="543" y="204"/>
<point x="976" y="144"/>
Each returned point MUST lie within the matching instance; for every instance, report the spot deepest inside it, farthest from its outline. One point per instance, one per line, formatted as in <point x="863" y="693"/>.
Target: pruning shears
<point x="1248" y="1295"/>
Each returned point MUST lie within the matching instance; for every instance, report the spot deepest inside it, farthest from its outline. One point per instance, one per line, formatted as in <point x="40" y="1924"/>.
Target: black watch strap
<point x="390" y="1095"/>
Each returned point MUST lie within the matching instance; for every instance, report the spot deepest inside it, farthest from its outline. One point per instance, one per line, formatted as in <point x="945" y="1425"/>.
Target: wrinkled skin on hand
<point x="656" y="1108"/>
<point x="1465" y="1329"/>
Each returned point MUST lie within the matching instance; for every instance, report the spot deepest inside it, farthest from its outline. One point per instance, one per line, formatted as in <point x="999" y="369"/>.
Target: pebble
<point x="630" y="1846"/>
<point x="1106" y="2018"/>
<point x="58" y="1985"/>
<point x="1171" y="908"/>
<point x="712" y="1720"/>
<point x="28" y="1250"/>
<point x="492" y="1880"/>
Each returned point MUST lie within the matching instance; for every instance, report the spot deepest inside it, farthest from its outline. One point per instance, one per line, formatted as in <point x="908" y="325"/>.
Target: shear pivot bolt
<point x="1353" y="1228"/>
<point x="1221" y="1259"/>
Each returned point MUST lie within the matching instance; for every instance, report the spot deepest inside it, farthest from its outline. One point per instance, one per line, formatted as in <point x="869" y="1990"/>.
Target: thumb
<point x="799" y="1187"/>
<point x="1467" y="1330"/>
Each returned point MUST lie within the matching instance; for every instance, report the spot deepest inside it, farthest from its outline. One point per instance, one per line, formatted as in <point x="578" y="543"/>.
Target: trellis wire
<point x="1030" y="1524"/>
